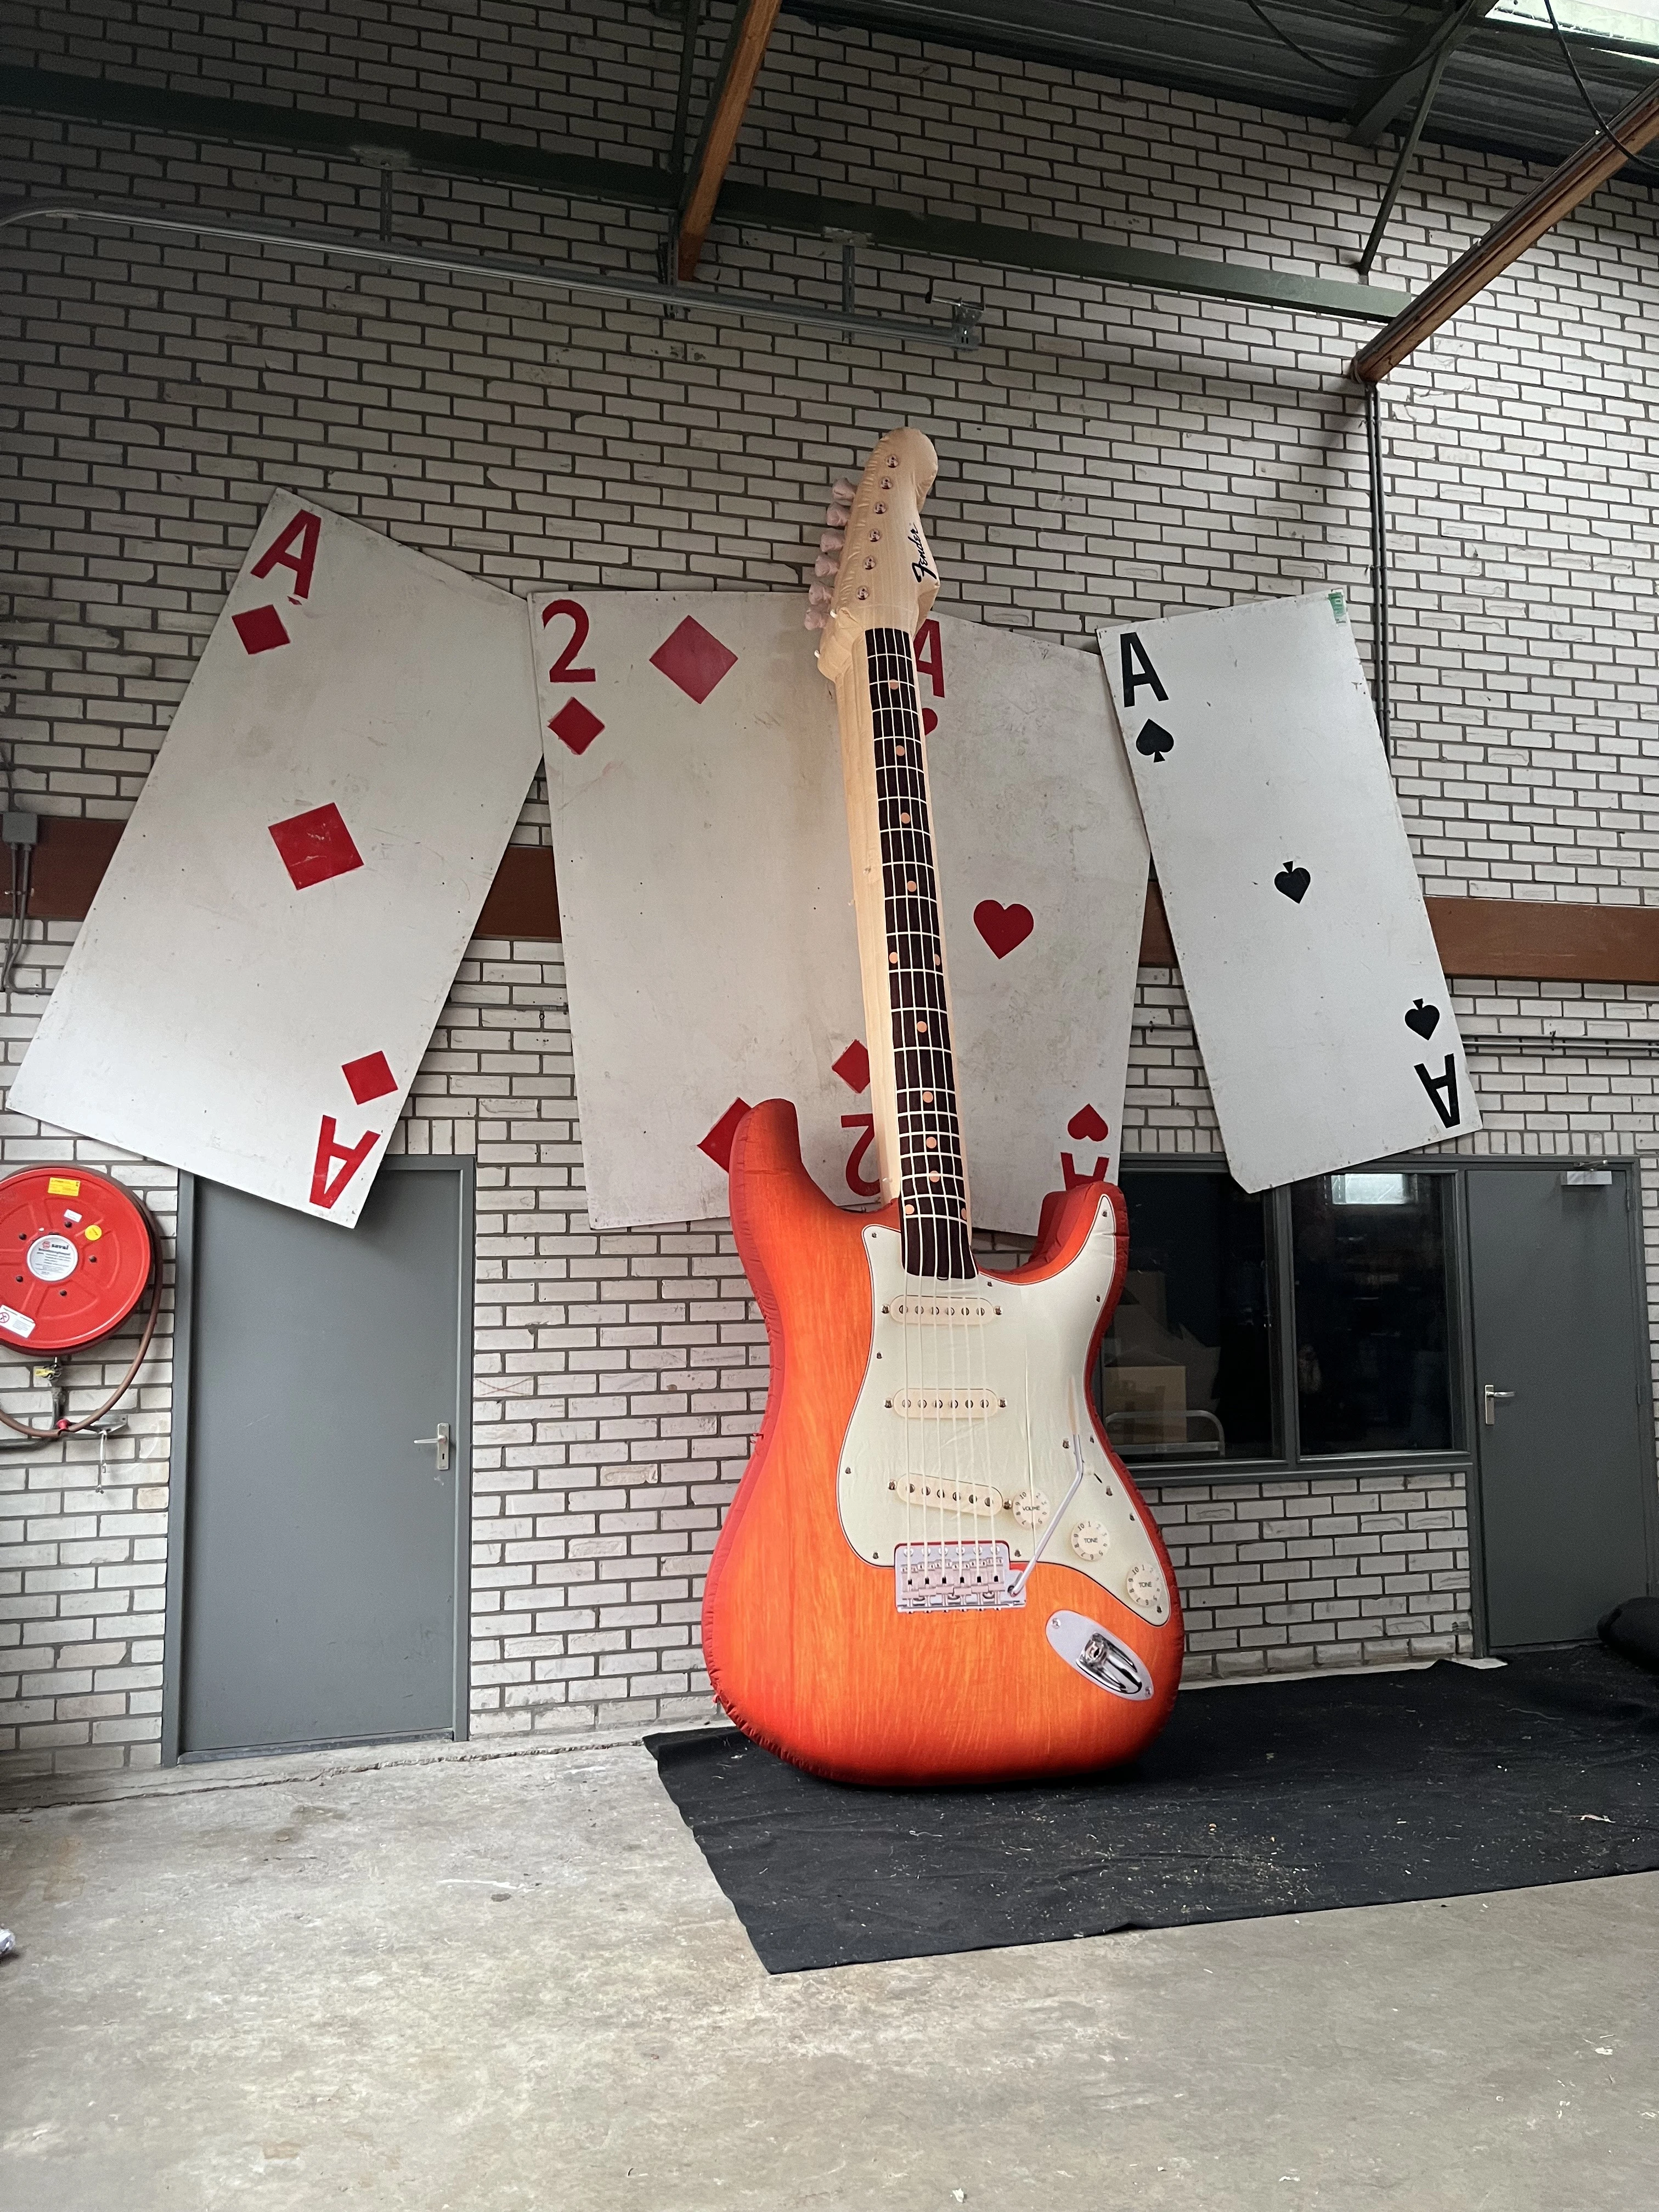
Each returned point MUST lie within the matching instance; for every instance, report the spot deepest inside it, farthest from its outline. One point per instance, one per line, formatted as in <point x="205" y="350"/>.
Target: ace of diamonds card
<point x="1315" y="987"/>
<point x="257" y="979"/>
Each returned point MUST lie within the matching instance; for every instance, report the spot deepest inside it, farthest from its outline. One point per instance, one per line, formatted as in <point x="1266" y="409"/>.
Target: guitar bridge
<point x="952" y="1576"/>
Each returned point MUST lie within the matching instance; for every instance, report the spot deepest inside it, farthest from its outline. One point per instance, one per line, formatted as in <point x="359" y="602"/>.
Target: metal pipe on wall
<point x="1380" y="609"/>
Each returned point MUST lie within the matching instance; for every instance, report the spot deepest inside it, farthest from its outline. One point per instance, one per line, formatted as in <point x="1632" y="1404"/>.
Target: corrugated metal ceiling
<point x="1507" y="89"/>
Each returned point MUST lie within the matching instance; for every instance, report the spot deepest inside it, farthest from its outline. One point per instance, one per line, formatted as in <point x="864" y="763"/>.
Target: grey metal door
<point x="1560" y="1402"/>
<point x="319" y="1601"/>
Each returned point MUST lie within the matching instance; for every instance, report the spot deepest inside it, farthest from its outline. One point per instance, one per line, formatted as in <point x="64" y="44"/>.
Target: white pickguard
<point x="962" y="1435"/>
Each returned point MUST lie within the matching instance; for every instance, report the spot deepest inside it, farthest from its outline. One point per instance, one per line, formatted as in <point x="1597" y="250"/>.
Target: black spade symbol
<point x="1154" y="741"/>
<point x="1293" y="882"/>
<point x="1425" y="1020"/>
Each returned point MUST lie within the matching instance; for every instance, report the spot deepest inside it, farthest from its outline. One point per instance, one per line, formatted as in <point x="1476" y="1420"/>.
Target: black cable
<point x="1602" y="122"/>
<point x="1342" y="77"/>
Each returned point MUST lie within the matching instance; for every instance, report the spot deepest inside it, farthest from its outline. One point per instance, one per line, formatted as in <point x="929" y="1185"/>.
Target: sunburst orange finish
<point x="806" y="1649"/>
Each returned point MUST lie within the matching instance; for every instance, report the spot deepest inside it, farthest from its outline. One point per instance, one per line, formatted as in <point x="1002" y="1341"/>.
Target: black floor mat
<point x="1287" y="1797"/>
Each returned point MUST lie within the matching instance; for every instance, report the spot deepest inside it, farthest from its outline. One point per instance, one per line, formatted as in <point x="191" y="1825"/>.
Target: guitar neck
<point x="907" y="998"/>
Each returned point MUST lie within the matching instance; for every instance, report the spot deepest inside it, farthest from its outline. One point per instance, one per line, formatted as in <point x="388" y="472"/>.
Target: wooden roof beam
<point x="745" y="49"/>
<point x="1595" y="160"/>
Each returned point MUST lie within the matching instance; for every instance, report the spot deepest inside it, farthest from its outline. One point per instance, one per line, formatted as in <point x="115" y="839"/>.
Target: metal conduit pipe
<point x="1380" y="609"/>
<point x="960" y="334"/>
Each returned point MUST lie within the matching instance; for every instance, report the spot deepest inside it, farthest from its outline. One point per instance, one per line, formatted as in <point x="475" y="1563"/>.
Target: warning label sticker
<point x="16" y="1324"/>
<point x="62" y="1186"/>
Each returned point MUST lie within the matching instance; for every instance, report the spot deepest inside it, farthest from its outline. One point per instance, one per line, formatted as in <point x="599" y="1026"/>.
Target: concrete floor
<point x="510" y="1984"/>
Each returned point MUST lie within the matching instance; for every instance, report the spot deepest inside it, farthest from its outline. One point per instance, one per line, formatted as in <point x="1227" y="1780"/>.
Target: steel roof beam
<point x="1409" y="77"/>
<point x="579" y="177"/>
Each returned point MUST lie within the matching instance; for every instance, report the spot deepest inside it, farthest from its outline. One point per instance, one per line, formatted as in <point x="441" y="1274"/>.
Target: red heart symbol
<point x="1087" y="1127"/>
<point x="1003" y="926"/>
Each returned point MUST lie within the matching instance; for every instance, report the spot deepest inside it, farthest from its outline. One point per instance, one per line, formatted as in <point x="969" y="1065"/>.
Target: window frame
<point x="1294" y="1464"/>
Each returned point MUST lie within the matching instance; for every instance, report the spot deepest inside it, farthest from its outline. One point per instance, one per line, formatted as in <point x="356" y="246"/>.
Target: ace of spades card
<point x="705" y="892"/>
<point x="1316" y="992"/>
<point x="261" y="969"/>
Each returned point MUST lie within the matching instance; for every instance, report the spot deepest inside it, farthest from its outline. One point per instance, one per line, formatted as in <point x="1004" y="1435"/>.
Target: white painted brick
<point x="1107" y="456"/>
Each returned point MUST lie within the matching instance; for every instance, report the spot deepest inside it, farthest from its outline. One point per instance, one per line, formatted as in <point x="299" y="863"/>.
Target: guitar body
<point x="872" y="1612"/>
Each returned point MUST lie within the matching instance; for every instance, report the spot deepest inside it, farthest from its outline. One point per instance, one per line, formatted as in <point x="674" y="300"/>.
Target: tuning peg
<point x="837" y="518"/>
<point x="843" y="493"/>
<point x="815" y="618"/>
<point x="831" y="542"/>
<point x="819" y="596"/>
<point x="827" y="564"/>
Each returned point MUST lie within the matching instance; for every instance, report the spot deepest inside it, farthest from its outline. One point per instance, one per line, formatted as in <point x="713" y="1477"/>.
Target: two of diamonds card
<point x="258" y="977"/>
<point x="1305" y="951"/>
<point x="705" y="890"/>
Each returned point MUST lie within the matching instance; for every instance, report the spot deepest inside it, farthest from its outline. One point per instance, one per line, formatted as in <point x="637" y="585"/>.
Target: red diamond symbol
<point x="694" y="659"/>
<point x="854" y="1067"/>
<point x="371" y="1077"/>
<point x="259" y="629"/>
<point x="575" y="727"/>
<point x="718" y="1143"/>
<point x="316" y="846"/>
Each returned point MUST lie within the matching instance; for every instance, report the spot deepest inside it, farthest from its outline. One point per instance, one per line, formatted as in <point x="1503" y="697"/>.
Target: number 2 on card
<point x="564" y="670"/>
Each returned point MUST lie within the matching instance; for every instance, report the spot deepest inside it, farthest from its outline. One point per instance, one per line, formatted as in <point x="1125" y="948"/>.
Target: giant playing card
<point x="259" y="975"/>
<point x="1316" y="990"/>
<point x="704" y="886"/>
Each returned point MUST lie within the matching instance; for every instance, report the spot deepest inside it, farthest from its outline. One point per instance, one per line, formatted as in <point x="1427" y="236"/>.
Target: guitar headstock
<point x="886" y="578"/>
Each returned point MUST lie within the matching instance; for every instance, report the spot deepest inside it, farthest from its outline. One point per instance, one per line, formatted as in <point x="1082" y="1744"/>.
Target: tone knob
<point x="1144" y="1588"/>
<point x="1029" y="1508"/>
<point x="1090" y="1539"/>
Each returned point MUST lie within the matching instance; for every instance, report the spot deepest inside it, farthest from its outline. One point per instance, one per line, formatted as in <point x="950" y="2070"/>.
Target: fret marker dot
<point x="899" y="749"/>
<point x="932" y="1143"/>
<point x="922" y="1029"/>
<point x="911" y="885"/>
<point x="926" y="1098"/>
<point x="933" y="1175"/>
<point x="905" y="818"/>
<point x="892" y="960"/>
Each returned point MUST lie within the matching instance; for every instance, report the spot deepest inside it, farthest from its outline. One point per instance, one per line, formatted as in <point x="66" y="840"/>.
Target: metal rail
<point x="960" y="334"/>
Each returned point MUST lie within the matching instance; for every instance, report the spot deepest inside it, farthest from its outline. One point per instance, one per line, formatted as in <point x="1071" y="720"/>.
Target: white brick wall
<point x="1106" y="455"/>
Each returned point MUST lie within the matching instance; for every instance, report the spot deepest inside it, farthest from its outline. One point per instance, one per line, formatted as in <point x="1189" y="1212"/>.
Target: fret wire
<point x="933" y="1181"/>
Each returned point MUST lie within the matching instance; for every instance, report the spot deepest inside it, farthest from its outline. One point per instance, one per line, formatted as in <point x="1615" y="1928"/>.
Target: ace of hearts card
<point x="1316" y="992"/>
<point x="252" y="992"/>
<point x="705" y="891"/>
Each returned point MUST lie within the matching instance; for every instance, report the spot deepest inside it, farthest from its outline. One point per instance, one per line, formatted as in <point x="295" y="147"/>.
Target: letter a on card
<point x="284" y="914"/>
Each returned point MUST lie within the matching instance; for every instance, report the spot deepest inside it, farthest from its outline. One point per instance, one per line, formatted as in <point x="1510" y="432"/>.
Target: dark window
<point x="1187" y="1366"/>
<point x="1288" y="1327"/>
<point x="1373" y="1342"/>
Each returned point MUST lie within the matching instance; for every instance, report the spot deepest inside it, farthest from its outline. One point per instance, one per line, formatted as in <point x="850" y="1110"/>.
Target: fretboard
<point x="932" y="1180"/>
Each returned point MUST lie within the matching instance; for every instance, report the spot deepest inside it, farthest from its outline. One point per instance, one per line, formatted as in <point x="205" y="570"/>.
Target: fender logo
<point x="922" y="568"/>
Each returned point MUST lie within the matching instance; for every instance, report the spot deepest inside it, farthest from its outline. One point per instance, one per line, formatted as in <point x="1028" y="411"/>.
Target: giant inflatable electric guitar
<point x="934" y="1568"/>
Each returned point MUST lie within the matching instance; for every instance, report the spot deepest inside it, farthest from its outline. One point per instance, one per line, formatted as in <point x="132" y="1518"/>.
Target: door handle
<point x="1491" y="1399"/>
<point x="440" y="1442"/>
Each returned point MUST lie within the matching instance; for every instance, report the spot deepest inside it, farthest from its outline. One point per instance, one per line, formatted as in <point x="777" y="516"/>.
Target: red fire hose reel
<point x="76" y="1252"/>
